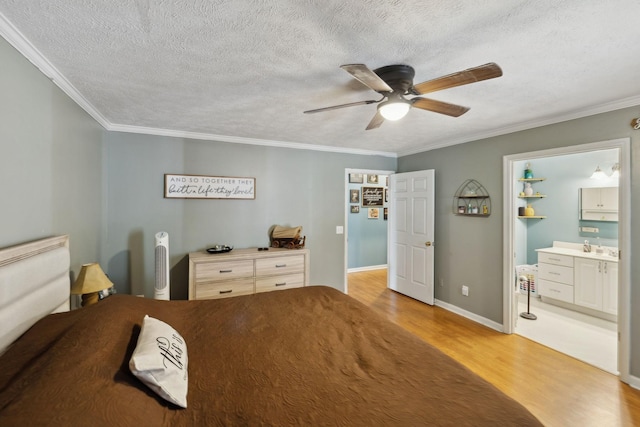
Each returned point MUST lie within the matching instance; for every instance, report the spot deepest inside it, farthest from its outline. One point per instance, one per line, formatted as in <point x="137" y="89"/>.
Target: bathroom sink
<point x="576" y="250"/>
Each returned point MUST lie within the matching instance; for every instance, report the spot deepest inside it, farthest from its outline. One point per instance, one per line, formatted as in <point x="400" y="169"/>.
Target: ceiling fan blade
<point x="471" y="75"/>
<point x="364" y="75"/>
<point x="439" y="107"/>
<point x="335" y="107"/>
<point x="376" y="121"/>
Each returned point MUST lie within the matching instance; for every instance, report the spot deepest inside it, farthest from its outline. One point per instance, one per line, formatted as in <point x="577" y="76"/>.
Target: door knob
<point x="427" y="243"/>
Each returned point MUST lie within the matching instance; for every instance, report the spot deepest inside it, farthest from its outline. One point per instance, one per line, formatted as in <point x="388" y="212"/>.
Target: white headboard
<point x="34" y="282"/>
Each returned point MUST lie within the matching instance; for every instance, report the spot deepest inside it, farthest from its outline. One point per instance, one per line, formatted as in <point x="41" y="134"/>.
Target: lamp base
<point x="529" y="316"/>
<point x="88" y="299"/>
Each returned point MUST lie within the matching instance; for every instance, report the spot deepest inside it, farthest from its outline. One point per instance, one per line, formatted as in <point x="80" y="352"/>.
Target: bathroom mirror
<point x="599" y="204"/>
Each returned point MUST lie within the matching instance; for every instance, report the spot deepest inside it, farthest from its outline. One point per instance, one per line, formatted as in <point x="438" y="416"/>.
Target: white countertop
<point x="575" y="249"/>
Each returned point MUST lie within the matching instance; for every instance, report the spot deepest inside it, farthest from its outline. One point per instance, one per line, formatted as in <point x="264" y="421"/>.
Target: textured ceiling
<point x="245" y="70"/>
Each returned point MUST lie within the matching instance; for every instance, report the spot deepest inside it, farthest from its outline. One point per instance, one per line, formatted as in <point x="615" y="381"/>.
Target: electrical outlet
<point x="465" y="291"/>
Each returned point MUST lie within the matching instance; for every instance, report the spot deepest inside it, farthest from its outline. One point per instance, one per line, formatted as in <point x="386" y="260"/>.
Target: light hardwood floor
<point x="559" y="390"/>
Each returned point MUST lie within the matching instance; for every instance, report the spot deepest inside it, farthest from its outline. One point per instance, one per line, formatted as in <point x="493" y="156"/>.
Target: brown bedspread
<point x="307" y="356"/>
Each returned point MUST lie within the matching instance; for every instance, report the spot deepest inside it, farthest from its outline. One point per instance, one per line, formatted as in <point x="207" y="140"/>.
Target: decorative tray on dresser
<point x="246" y="271"/>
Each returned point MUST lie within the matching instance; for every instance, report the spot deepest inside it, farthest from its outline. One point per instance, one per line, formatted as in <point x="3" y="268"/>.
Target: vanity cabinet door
<point x="588" y="283"/>
<point x="610" y="287"/>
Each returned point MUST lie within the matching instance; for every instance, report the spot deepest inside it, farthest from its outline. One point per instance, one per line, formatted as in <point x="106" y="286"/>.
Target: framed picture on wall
<point x="385" y="213"/>
<point x="355" y="208"/>
<point x="373" y="213"/>
<point x="372" y="179"/>
<point x="356" y="178"/>
<point x="372" y="196"/>
<point x="354" y="196"/>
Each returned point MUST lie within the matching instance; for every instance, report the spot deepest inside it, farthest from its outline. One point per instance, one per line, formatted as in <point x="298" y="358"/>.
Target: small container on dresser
<point x="246" y="271"/>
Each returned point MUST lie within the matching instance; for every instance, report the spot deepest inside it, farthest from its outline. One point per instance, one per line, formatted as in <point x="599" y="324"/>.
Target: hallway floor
<point x="586" y="338"/>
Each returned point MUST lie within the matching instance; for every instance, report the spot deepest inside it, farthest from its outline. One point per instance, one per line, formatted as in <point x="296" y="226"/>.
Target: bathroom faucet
<point x="599" y="249"/>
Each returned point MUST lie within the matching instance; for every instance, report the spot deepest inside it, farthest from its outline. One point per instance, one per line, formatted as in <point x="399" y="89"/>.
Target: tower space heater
<point x="162" y="290"/>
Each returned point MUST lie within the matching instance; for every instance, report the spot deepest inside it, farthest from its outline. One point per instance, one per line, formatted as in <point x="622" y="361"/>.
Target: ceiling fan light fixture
<point x="394" y="110"/>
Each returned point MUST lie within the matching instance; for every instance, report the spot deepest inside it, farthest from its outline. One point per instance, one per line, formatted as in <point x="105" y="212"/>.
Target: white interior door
<point x="411" y="243"/>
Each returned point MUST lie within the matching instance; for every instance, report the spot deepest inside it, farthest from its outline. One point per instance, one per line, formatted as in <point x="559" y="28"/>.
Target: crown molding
<point x="243" y="140"/>
<point x="532" y="124"/>
<point x="16" y="39"/>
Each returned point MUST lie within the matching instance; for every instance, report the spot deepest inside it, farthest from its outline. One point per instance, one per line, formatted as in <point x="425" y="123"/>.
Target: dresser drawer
<point x="555" y="290"/>
<point x="223" y="270"/>
<point x="556" y="273"/>
<point x="246" y="271"/>
<point x="279" y="265"/>
<point x="274" y="283"/>
<point x="557" y="259"/>
<point x="225" y="289"/>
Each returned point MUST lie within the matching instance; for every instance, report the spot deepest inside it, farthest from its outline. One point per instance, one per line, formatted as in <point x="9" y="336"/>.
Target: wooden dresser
<point x="246" y="271"/>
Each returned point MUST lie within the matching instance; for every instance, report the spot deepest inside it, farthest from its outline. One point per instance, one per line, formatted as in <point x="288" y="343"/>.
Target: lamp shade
<point x="91" y="279"/>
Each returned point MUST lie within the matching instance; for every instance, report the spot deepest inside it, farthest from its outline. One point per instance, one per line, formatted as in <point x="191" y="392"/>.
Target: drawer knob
<point x="226" y="292"/>
<point x="281" y="284"/>
<point x="280" y="265"/>
<point x="225" y="271"/>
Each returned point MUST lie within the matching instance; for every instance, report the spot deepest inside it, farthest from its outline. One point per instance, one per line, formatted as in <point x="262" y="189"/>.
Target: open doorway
<point x="365" y="233"/>
<point x="557" y="221"/>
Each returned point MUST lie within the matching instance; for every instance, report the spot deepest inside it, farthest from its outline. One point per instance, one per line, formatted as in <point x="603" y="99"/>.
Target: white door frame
<point x="347" y="203"/>
<point x="624" y="242"/>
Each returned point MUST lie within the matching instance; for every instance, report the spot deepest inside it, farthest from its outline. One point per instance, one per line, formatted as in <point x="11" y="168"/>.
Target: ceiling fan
<point x="394" y="82"/>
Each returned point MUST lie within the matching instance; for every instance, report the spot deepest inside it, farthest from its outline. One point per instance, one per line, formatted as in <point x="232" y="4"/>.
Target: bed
<point x="305" y="356"/>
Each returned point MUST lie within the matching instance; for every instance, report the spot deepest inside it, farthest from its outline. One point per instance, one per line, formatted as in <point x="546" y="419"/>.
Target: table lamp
<point x="92" y="284"/>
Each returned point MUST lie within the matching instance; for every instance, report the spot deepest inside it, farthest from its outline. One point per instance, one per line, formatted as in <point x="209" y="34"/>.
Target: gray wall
<point x="50" y="162"/>
<point x="469" y="250"/>
<point x="293" y="187"/>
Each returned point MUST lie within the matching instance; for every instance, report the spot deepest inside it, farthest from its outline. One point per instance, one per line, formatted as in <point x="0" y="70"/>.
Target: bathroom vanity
<point x="582" y="281"/>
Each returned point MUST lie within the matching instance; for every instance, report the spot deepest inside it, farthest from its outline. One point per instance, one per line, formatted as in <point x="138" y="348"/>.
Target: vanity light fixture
<point x="598" y="174"/>
<point x="615" y="171"/>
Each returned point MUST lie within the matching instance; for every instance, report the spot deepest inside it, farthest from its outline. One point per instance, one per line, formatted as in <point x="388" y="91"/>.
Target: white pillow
<point x="160" y="361"/>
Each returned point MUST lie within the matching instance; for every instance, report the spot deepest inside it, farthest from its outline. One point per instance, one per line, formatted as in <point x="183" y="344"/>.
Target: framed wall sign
<point x="373" y="213"/>
<point x="372" y="196"/>
<point x="208" y="187"/>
